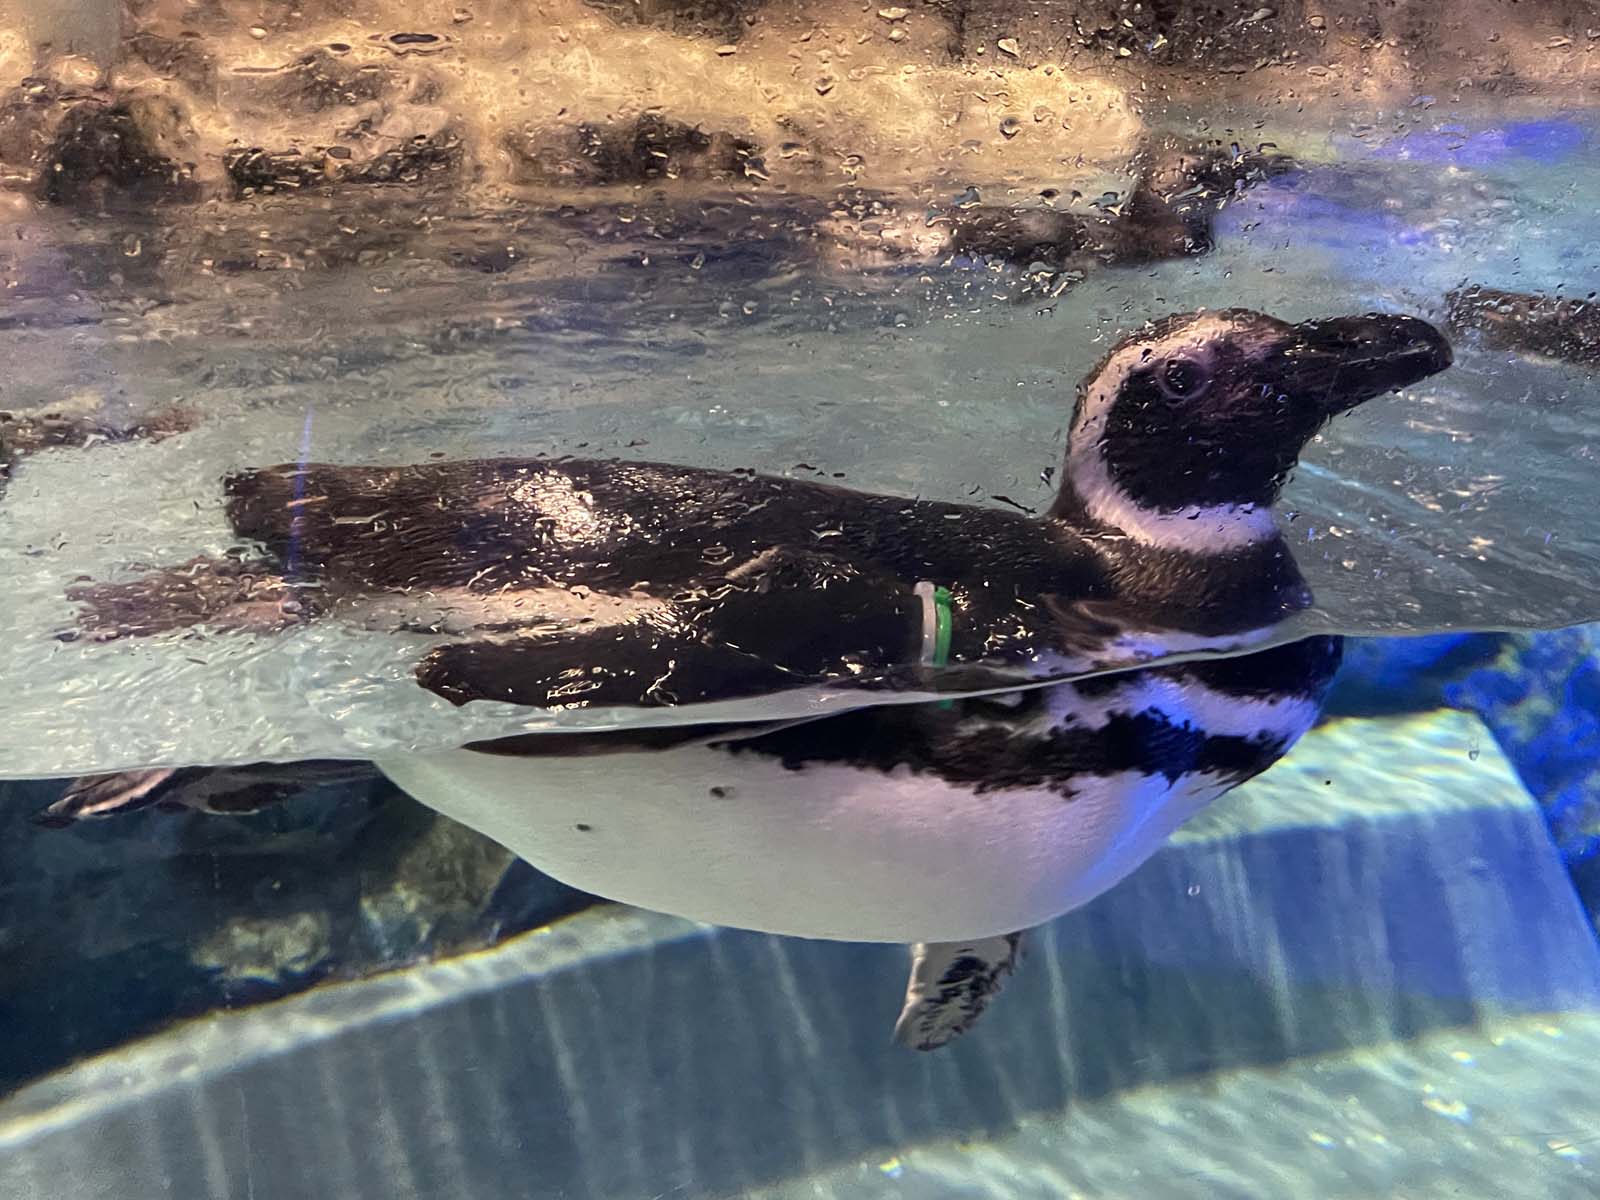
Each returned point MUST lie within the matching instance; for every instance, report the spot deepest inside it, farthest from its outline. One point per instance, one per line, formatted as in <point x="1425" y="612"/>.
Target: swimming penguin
<point x="222" y="791"/>
<point x="27" y="433"/>
<point x="1550" y="327"/>
<point x="1179" y="186"/>
<point x="953" y="825"/>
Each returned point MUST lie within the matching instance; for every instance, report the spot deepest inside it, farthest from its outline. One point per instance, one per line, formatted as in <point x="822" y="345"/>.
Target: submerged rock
<point x="1537" y="692"/>
<point x="1540" y="696"/>
<point x="113" y="931"/>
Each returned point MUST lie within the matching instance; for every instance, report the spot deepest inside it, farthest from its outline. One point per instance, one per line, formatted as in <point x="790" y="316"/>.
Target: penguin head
<point x="1190" y="173"/>
<point x="1181" y="184"/>
<point x="1188" y="428"/>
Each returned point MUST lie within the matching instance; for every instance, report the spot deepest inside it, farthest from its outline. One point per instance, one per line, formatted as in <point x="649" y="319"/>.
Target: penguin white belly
<point x="824" y="852"/>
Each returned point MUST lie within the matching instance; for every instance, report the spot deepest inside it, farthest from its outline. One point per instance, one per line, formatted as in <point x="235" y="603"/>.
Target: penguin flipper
<point x="637" y="666"/>
<point x="765" y="632"/>
<point x="93" y="796"/>
<point x="223" y="593"/>
<point x="951" y="985"/>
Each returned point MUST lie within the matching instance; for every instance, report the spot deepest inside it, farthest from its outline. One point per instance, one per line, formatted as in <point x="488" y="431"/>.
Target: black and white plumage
<point x="224" y="791"/>
<point x="584" y="583"/>
<point x="1558" y="328"/>
<point x="950" y="986"/>
<point x="24" y="433"/>
<point x="952" y="825"/>
<point x="1179" y="184"/>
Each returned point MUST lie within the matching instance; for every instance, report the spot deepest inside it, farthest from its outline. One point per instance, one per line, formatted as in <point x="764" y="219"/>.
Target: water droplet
<point x="824" y="85"/>
<point x="1473" y="750"/>
<point x="1010" y="127"/>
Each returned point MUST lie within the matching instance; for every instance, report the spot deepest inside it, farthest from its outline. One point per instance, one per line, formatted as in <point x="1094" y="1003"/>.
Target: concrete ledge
<point x="1504" y="1110"/>
<point x="619" y="1054"/>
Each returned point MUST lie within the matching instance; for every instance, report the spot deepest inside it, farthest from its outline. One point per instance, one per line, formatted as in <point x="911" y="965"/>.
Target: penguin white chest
<point x="826" y="851"/>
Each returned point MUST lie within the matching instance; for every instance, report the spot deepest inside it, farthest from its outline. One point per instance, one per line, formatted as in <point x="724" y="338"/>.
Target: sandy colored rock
<point x="578" y="94"/>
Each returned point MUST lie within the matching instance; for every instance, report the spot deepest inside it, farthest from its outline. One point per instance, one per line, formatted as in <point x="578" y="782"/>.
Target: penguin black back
<point x="647" y="583"/>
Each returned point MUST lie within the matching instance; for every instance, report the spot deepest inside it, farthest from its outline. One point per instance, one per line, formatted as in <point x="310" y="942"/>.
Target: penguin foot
<point x="951" y="985"/>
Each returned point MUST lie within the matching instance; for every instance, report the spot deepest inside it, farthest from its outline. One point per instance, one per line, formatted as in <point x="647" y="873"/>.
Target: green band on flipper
<point x="938" y="623"/>
<point x="943" y="622"/>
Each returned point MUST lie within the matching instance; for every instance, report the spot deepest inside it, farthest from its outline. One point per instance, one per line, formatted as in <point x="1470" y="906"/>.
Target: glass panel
<point x="857" y="476"/>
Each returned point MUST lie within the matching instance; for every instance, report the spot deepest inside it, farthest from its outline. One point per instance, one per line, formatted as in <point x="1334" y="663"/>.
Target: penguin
<point x="1543" y="327"/>
<point x="221" y="791"/>
<point x="1179" y="186"/>
<point x="952" y="826"/>
<point x="22" y="434"/>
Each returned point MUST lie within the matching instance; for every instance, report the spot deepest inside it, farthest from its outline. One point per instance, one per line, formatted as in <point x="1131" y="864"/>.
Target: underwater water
<point x="1373" y="971"/>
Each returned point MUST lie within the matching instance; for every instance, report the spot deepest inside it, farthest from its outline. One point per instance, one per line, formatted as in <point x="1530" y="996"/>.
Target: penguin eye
<point x="1183" y="379"/>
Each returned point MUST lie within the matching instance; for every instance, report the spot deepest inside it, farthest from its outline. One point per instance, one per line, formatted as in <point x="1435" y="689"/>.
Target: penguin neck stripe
<point x="1196" y="529"/>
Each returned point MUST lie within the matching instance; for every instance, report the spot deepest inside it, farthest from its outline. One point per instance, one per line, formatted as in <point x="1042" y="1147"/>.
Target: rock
<point x="16" y="59"/>
<point x="188" y="61"/>
<point x="718" y="20"/>
<point x="1540" y="697"/>
<point x="646" y="149"/>
<point x="114" y="929"/>
<point x="254" y="950"/>
<point x="272" y="92"/>
<point x="1538" y="693"/>
<point x="1383" y="676"/>
<point x="87" y="29"/>
<point x="385" y="159"/>
<point x="77" y="150"/>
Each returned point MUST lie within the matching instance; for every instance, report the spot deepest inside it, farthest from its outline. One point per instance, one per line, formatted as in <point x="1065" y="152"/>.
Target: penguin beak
<point x="1342" y="361"/>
